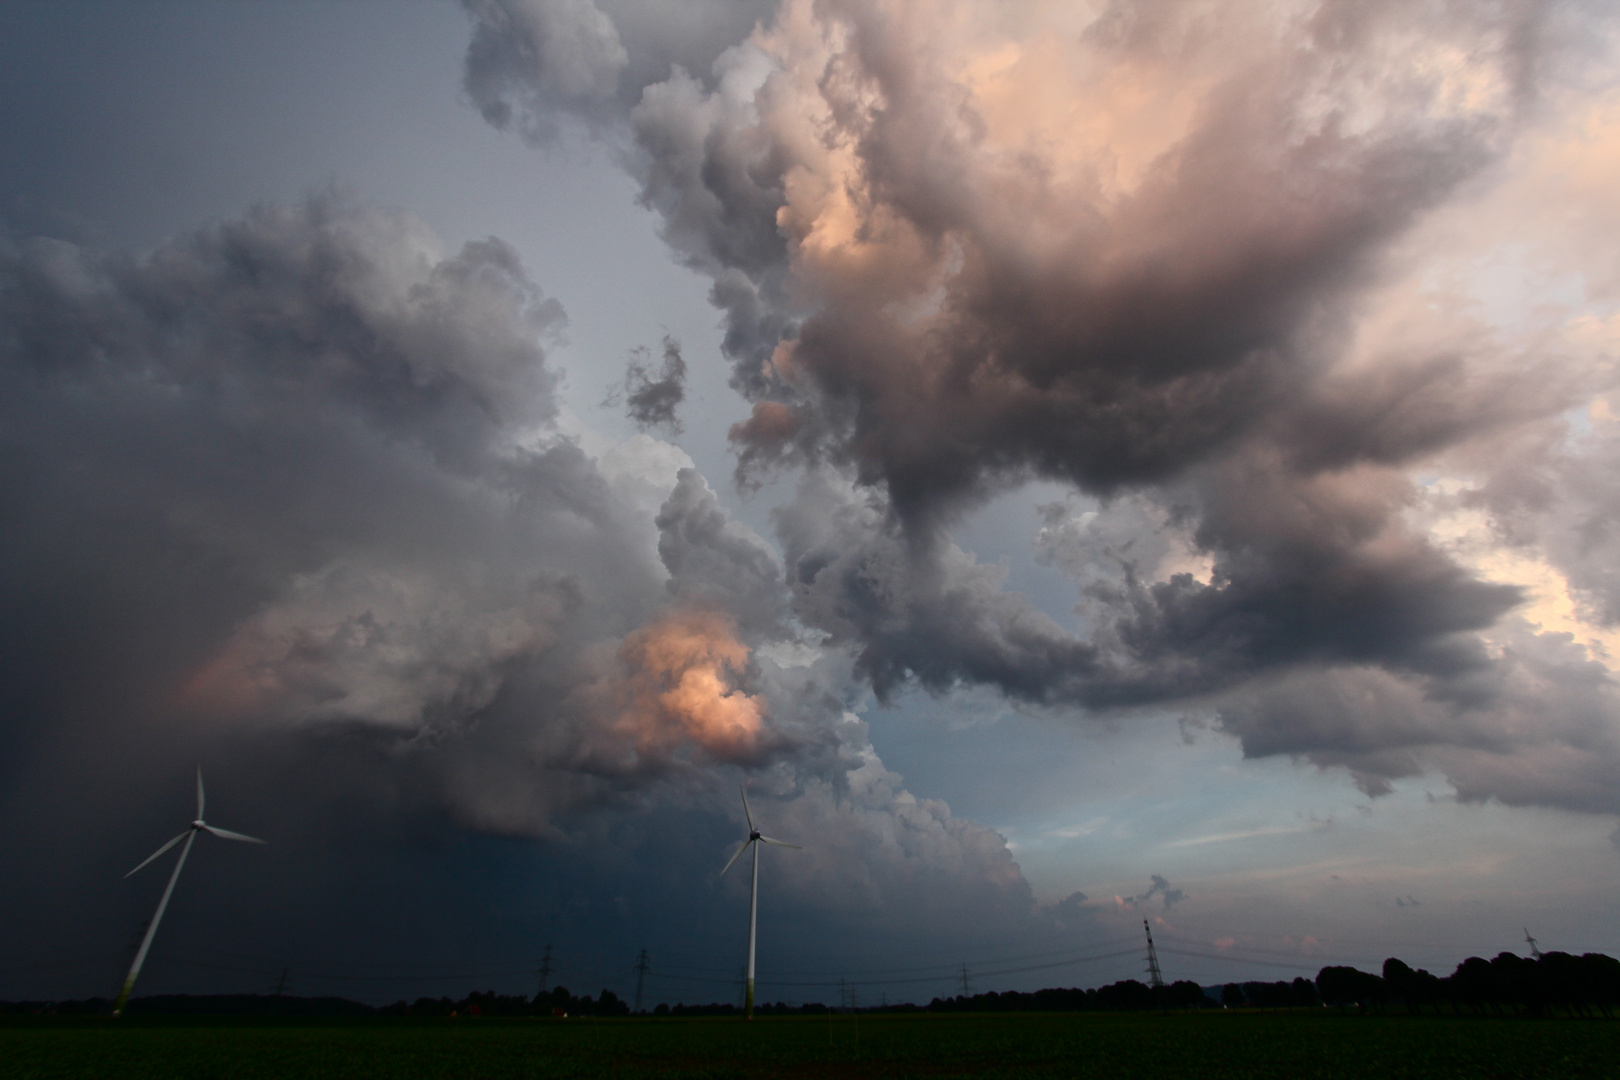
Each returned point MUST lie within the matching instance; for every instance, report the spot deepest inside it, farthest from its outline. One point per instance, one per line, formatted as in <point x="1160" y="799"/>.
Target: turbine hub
<point x="753" y="835"/>
<point x="198" y="824"/>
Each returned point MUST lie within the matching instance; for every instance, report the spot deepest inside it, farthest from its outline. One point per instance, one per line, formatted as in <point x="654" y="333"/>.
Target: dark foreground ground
<point x="1185" y="1045"/>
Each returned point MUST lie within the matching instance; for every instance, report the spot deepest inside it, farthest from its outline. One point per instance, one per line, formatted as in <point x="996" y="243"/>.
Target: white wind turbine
<point x="188" y="836"/>
<point x="754" y="838"/>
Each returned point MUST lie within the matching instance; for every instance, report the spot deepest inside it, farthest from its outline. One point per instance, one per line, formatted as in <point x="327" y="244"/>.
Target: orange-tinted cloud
<point x="681" y="687"/>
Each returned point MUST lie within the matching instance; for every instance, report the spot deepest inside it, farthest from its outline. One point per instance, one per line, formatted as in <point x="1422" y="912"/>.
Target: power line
<point x="1244" y="960"/>
<point x="965" y="973"/>
<point x="948" y="969"/>
<point x="944" y="976"/>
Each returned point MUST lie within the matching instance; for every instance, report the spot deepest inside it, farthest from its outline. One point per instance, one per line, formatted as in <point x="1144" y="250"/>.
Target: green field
<point x="1185" y="1045"/>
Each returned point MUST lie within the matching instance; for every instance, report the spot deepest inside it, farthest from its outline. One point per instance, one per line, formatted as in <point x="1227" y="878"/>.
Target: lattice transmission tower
<point x="545" y="971"/>
<point x="1155" y="976"/>
<point x="641" y="975"/>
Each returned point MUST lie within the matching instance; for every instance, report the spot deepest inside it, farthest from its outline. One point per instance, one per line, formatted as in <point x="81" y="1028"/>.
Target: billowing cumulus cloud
<point x="681" y="686"/>
<point x="1237" y="279"/>
<point x="291" y="483"/>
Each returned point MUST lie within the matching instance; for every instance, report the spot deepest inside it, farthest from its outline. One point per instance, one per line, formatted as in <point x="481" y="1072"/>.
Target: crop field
<point x="1238" y="1044"/>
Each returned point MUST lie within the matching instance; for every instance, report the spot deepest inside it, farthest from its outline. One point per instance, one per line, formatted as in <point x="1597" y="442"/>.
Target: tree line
<point x="1552" y="983"/>
<point x="1508" y="985"/>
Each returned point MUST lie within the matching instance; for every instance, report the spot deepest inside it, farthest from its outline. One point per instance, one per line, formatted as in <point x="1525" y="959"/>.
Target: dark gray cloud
<point x="715" y="562"/>
<point x="934" y="615"/>
<point x="284" y="496"/>
<point x="1157" y="886"/>
<point x="545" y="57"/>
<point x="1535" y="727"/>
<point x="938" y="284"/>
<point x="532" y="63"/>
<point x="652" y="397"/>
<point x="1105" y="370"/>
<point x="1071" y="910"/>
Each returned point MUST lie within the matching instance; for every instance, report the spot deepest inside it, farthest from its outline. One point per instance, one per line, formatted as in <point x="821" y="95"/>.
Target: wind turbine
<point x="188" y="836"/>
<point x="754" y="838"/>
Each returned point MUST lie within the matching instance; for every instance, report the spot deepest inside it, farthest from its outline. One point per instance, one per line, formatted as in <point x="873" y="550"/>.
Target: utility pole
<point x="641" y="975"/>
<point x="1534" y="951"/>
<point x="545" y="971"/>
<point x="280" y="987"/>
<point x="1155" y="977"/>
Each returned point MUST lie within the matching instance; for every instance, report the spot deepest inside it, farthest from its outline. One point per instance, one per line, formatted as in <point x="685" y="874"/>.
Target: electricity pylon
<point x="641" y="975"/>
<point x="1155" y="977"/>
<point x="545" y="971"/>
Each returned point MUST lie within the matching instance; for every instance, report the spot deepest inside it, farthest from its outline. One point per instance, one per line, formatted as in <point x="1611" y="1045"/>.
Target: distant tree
<point x="1472" y="985"/>
<point x="1513" y="982"/>
<point x="1401" y="983"/>
<point x="432" y="1007"/>
<point x="1185" y="994"/>
<point x="1270" y="995"/>
<point x="1600" y="981"/>
<point x="1232" y="996"/>
<point x="489" y="1003"/>
<point x="1343" y="986"/>
<point x="1559" y="983"/>
<point x="1128" y="995"/>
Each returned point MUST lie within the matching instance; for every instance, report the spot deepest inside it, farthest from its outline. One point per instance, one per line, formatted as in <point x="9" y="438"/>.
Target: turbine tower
<point x="189" y="836"/>
<point x="754" y="838"/>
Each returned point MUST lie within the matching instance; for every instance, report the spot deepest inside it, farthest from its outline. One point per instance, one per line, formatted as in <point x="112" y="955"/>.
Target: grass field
<point x="1238" y="1044"/>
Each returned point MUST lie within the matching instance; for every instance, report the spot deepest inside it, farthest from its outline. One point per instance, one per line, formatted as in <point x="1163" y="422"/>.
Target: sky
<point x="1074" y="463"/>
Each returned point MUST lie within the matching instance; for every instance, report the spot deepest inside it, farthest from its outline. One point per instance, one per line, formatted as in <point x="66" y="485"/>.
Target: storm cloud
<point x="1208" y="269"/>
<point x="291" y="485"/>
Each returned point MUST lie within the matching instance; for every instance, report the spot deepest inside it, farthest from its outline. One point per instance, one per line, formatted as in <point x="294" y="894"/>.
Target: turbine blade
<point x="160" y="851"/>
<point x="199" y="794"/>
<point x="747" y="813"/>
<point x="226" y="834"/>
<point x="734" y="857"/>
<point x="780" y="843"/>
